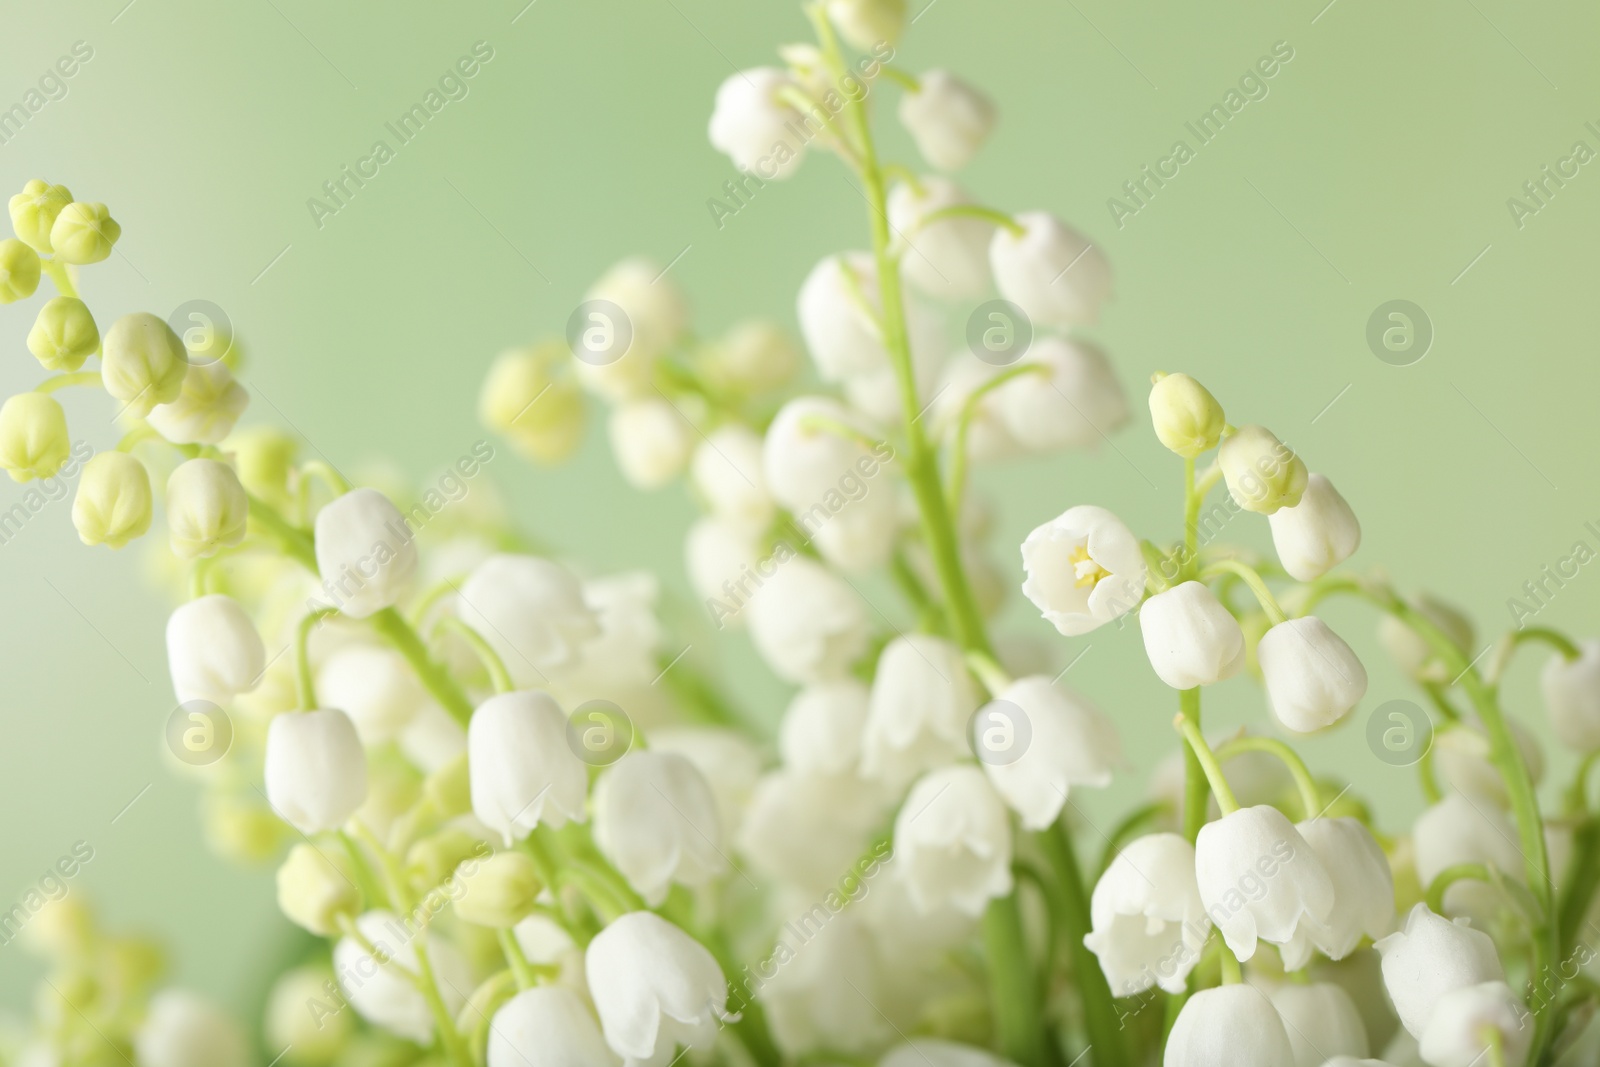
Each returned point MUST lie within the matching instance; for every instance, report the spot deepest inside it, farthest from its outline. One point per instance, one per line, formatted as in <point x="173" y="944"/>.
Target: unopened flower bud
<point x="865" y="23"/>
<point x="1190" y="637"/>
<point x="315" y="887"/>
<point x="206" y="508"/>
<point x="112" y="506"/>
<point x="753" y="123"/>
<point x="542" y="414"/>
<point x="949" y="119"/>
<point x="183" y="1029"/>
<point x="449" y="789"/>
<point x="499" y="891"/>
<point x="437" y="856"/>
<point x="34" y="211"/>
<point x="1317" y="534"/>
<point x="263" y="457"/>
<point x="315" y="770"/>
<point x="652" y="442"/>
<point x="366" y="552"/>
<point x="19" y="271"/>
<point x="208" y="404"/>
<point x="64" y="334"/>
<point x="144" y="363"/>
<point x="84" y="233"/>
<point x="33" y="436"/>
<point x="302" y="1017"/>
<point x="241" y="829"/>
<point x="752" y="357"/>
<point x="1262" y="472"/>
<point x="1187" y="418"/>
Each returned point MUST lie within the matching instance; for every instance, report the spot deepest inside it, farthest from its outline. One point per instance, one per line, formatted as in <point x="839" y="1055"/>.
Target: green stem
<point x="297" y="544"/>
<point x="454" y="1048"/>
<point x="1196" y="789"/>
<point x="305" y="687"/>
<point x="1554" y="638"/>
<point x="62" y="381"/>
<point x="61" y="275"/>
<point x="499" y="677"/>
<point x="1583" y="878"/>
<point x="973" y="211"/>
<point x="520" y="968"/>
<point x="1258" y="586"/>
<point x="905" y="79"/>
<point x="1228" y="964"/>
<point x="393" y="628"/>
<point x="1208" y="763"/>
<point x="1460" y="872"/>
<point x="1099" y="1007"/>
<point x="1014" y="997"/>
<point x="1310" y="794"/>
<point x="969" y="410"/>
<point x="1192" y="499"/>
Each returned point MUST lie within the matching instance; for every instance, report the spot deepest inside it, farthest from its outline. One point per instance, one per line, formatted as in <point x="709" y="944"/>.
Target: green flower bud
<point x="144" y="363"/>
<point x="33" y="436"/>
<point x="241" y="830"/>
<point x="315" y="887"/>
<point x="1262" y="472"/>
<point x="208" y="405"/>
<point x="263" y="456"/>
<point x="112" y="506"/>
<point x="304" y="1017"/>
<point x="206" y="508"/>
<point x="541" y="414"/>
<point x="449" y="789"/>
<point x="434" y="858"/>
<point x="63" y="929"/>
<point x="132" y="965"/>
<point x="64" y="334"/>
<point x="19" y="271"/>
<point x="84" y="233"/>
<point x="499" y="891"/>
<point x="1187" y="418"/>
<point x="34" y="211"/>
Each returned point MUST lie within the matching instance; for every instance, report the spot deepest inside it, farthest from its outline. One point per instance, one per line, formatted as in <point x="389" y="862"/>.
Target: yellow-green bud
<point x="499" y="891"/>
<point x="64" y="334"/>
<point x="144" y="363"/>
<point x="132" y="965"/>
<point x="207" y="406"/>
<point x="1262" y="472"/>
<point x="315" y="887"/>
<point x="304" y="1017"/>
<point x="539" y="412"/>
<point x="434" y="858"/>
<point x="263" y="457"/>
<point x="63" y="929"/>
<point x="113" y="503"/>
<point x="19" y="271"/>
<point x="84" y="233"/>
<point x="241" y="830"/>
<point x="206" y="508"/>
<point x="1187" y="418"/>
<point x="33" y="436"/>
<point x="868" y="23"/>
<point x="34" y="211"/>
<point x="449" y="789"/>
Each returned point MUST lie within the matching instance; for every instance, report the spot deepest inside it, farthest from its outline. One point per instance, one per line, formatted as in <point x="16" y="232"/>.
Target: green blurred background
<point x="1377" y="168"/>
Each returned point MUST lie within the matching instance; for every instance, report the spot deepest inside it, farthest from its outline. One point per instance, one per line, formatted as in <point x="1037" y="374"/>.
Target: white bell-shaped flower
<point x="213" y="650"/>
<point x="1229" y="1026"/>
<point x="1259" y="878"/>
<point x="656" y="820"/>
<point x="755" y="127"/>
<point x="1461" y="756"/>
<point x="532" y="611"/>
<point x="804" y="829"/>
<point x="1313" y="678"/>
<point x="1148" y="924"/>
<point x="546" y="1026"/>
<point x="837" y="308"/>
<point x="375" y="686"/>
<point x="722" y="561"/>
<point x="366" y="552"/>
<point x="1263" y="474"/>
<point x="1051" y="271"/>
<point x="206" y="408"/>
<point x="1075" y="402"/>
<point x="947" y="118"/>
<point x="1459" y="830"/>
<point x="1572" y="697"/>
<point x="952" y="842"/>
<point x="142" y="363"/>
<point x="1363" y="891"/>
<point x="1084" y="569"/>
<point x="1412" y="653"/>
<point x="523" y="771"/>
<point x="207" y="508"/>
<point x="1459" y="1033"/>
<point x="726" y="470"/>
<point x="822" y="729"/>
<point x="937" y="1052"/>
<point x="807" y="623"/>
<point x="315" y="769"/>
<point x="922" y="698"/>
<point x="1322" y="1022"/>
<point x="727" y="759"/>
<point x="868" y="24"/>
<point x="1190" y="638"/>
<point x="651" y="441"/>
<point x="808" y="1008"/>
<point x="183" y="1029"/>
<point x="625" y="654"/>
<point x="949" y="257"/>
<point x="376" y="983"/>
<point x="1317" y="534"/>
<point x="988" y="436"/>
<point x="653" y="316"/>
<point x="1036" y="741"/>
<point x="1430" y="957"/>
<point x="654" y="987"/>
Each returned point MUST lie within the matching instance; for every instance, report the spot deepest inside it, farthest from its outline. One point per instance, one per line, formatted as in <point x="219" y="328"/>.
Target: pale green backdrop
<point x="1378" y="167"/>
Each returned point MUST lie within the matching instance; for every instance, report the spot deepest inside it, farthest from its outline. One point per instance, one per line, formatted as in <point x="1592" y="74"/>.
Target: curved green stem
<point x="499" y="677"/>
<point x="305" y="687"/>
<point x="1196" y="788"/>
<point x="903" y="78"/>
<point x="969" y="410"/>
<point x="297" y="543"/>
<point x="392" y="627"/>
<point x="1208" y="763"/>
<point x="1254" y="581"/>
<point x="60" y="274"/>
<point x="142" y="432"/>
<point x="521" y="969"/>
<point x="973" y="211"/>
<point x="1310" y="794"/>
<point x="1460" y="872"/>
<point x="63" y="381"/>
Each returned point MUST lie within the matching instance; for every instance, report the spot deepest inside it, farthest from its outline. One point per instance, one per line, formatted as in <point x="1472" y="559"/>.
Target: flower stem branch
<point x="1208" y="763"/>
<point x="435" y="678"/>
<point x="1195" y="785"/>
<point x="499" y="677"/>
<point x="1460" y="872"/>
<point x="1310" y="794"/>
<point x="1253" y="580"/>
<point x="521" y="969"/>
<point x="305" y="687"/>
<point x="1099" y="1009"/>
<point x="63" y="381"/>
<point x="973" y="211"/>
<point x="969" y="410"/>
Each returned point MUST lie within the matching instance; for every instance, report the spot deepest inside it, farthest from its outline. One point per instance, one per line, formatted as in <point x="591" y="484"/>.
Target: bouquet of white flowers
<point x="524" y="831"/>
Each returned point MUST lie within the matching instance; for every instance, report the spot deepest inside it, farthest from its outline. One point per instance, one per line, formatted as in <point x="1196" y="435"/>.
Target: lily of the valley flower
<point x="213" y="650"/>
<point x="64" y="334"/>
<point x="183" y="1029"/>
<point x="84" y="233"/>
<point x="1317" y="534"/>
<point x="1414" y="654"/>
<point x="33" y="436"/>
<point x="947" y="118"/>
<point x="539" y="411"/>
<point x="1459" y="830"/>
<point x="1051" y="271"/>
<point x="1149" y="925"/>
<point x="1190" y="638"/>
<point x="33" y="212"/>
<point x="377" y="986"/>
<point x="653" y="318"/>
<point x="822" y="728"/>
<point x="1363" y="891"/>
<point x="1084" y="569"/>
<point x="143" y="363"/>
<point x="207" y="508"/>
<point x="921" y="700"/>
<point x="547" y="1026"/>
<point x="1069" y="742"/>
<point x="532" y="611"/>
<point x="523" y="773"/>
<point x="1229" y="1026"/>
<point x="803" y="828"/>
<point x="1263" y="473"/>
<point x="1313" y="678"/>
<point x="1322" y="1022"/>
<point x="949" y="257"/>
<point x="315" y="888"/>
<point x="1259" y="879"/>
<point x="868" y="23"/>
<point x="366" y="552"/>
<point x="726" y="470"/>
<point x="374" y="686"/>
<point x="1075" y="401"/>
<point x="1187" y="418"/>
<point x="807" y="623"/>
<point x="315" y="769"/>
<point x="113" y="504"/>
<point x="1458" y="1034"/>
<point x="654" y="987"/>
<point x="651" y="441"/>
<point x="952" y="842"/>
<point x="1430" y="958"/>
<point x="1572" y="697"/>
<point x="656" y="820"/>
<point x="752" y="124"/>
<point x="19" y="271"/>
<point x="205" y="409"/>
